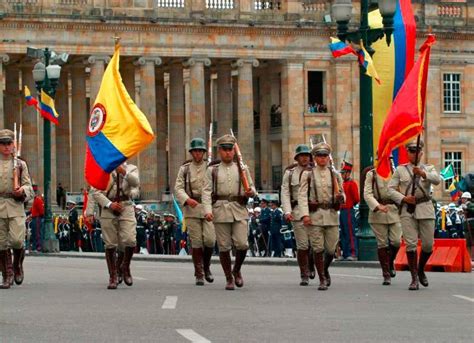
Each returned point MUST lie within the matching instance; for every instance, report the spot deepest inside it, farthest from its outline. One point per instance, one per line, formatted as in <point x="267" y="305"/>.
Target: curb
<point x="261" y="261"/>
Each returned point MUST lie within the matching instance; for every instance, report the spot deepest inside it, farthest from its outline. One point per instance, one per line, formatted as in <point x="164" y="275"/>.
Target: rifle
<point x="16" y="154"/>
<point x="410" y="207"/>
<point x="241" y="165"/>
<point x="209" y="145"/>
<point x="331" y="165"/>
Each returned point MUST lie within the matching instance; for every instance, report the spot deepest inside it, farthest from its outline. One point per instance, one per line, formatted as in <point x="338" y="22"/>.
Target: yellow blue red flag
<point x="117" y="128"/>
<point x="366" y="61"/>
<point x="47" y="108"/>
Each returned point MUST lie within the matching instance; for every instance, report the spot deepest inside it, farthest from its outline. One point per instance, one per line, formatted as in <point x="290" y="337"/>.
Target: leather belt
<point x="230" y="197"/>
<point x="314" y="206"/>
<point x="386" y="202"/>
<point x="423" y="200"/>
<point x="6" y="195"/>
<point x="198" y="199"/>
<point x="122" y="198"/>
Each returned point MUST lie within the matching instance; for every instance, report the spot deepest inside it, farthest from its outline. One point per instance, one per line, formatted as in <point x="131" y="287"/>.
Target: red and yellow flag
<point x="406" y="116"/>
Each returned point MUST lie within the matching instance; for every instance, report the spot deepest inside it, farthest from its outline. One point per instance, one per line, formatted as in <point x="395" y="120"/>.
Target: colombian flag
<point x="366" y="62"/>
<point x="407" y="114"/>
<point x="453" y="189"/>
<point x="393" y="65"/>
<point x="30" y="100"/>
<point x="117" y="128"/>
<point x="47" y="109"/>
<point x="339" y="48"/>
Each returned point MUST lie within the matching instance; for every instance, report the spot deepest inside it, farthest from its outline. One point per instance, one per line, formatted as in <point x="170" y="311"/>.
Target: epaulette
<point x="291" y="166"/>
<point x="187" y="162"/>
<point x="213" y="163"/>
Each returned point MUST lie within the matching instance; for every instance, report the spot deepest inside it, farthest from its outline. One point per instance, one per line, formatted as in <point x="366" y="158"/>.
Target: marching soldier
<point x="384" y="221"/>
<point x="289" y="200"/>
<point x="188" y="190"/>
<point x="417" y="212"/>
<point x="118" y="222"/>
<point x="224" y="202"/>
<point x="12" y="212"/>
<point x="319" y="199"/>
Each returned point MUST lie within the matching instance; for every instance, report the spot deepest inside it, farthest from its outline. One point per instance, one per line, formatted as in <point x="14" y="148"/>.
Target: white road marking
<point x="192" y="336"/>
<point x="357" y="276"/>
<point x="170" y="303"/>
<point x="464" y="298"/>
<point x="139" y="278"/>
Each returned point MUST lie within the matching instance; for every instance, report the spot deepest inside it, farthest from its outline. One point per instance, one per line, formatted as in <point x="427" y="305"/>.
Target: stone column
<point x="3" y="59"/>
<point x="13" y="96"/>
<point x="292" y="90"/>
<point x="63" y="133"/>
<point x="207" y="99"/>
<point x="32" y="150"/>
<point x="197" y="106"/>
<point x="176" y="122"/>
<point x="97" y="66"/>
<point x="265" y="144"/>
<point x="245" y="111"/>
<point x="79" y="117"/>
<point x="127" y="70"/>
<point x="224" y="98"/>
<point x="148" y="157"/>
<point x="161" y="132"/>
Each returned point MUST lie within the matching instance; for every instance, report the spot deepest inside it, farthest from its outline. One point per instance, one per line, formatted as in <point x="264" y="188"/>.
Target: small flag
<point x="47" y="109"/>
<point x="179" y="214"/>
<point x="453" y="190"/>
<point x="447" y="173"/>
<point x="30" y="100"/>
<point x="366" y="61"/>
<point x="339" y="48"/>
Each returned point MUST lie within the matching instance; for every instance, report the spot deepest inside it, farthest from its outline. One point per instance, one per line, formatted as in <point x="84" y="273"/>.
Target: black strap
<point x="374" y="182"/>
<point x="289" y="184"/>
<point x="333" y="201"/>
<point x="187" y="183"/>
<point x="415" y="179"/>
<point x="215" y="172"/>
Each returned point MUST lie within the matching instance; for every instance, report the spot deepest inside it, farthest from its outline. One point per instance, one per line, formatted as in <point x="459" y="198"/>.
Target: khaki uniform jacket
<point x="371" y="195"/>
<point x="9" y="207"/>
<point x="130" y="184"/>
<point x="195" y="181"/>
<point x="289" y="193"/>
<point x="90" y="203"/>
<point x="228" y="180"/>
<point x="400" y="186"/>
<point x="321" y="177"/>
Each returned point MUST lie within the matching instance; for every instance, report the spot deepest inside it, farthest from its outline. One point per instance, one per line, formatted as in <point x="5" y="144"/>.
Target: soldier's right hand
<point x="116" y="207"/>
<point x="382" y="208"/>
<point x="410" y="199"/>
<point x="209" y="217"/>
<point x="289" y="217"/>
<point x="191" y="202"/>
<point x="307" y="221"/>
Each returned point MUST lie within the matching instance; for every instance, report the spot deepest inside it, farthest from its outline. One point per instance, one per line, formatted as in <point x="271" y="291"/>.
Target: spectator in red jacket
<point x="37" y="214"/>
<point x="347" y="214"/>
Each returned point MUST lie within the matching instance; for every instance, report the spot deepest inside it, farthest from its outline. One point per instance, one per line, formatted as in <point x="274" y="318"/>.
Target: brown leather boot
<point x="412" y="264"/>
<point x="384" y="260"/>
<point x="319" y="263"/>
<point x="3" y="266"/>
<point x="393" y="255"/>
<point x="10" y="267"/>
<point x="424" y="257"/>
<point x="312" y="271"/>
<point x="327" y="262"/>
<point x="18" y="257"/>
<point x="127" y="259"/>
<point x="207" y="255"/>
<point x="239" y="260"/>
<point x="302" y="257"/>
<point x="226" y="264"/>
<point x="198" y="266"/>
<point x="120" y="255"/>
<point x="112" y="266"/>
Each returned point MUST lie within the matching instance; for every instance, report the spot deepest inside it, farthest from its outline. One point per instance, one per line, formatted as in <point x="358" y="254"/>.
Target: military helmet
<point x="197" y="144"/>
<point x="6" y="136"/>
<point x="302" y="149"/>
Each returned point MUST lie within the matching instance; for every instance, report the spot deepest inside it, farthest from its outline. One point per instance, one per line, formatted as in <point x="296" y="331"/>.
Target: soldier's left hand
<point x="18" y="193"/>
<point x="340" y="198"/>
<point x="249" y="194"/>
<point x="121" y="170"/>
<point x="419" y="172"/>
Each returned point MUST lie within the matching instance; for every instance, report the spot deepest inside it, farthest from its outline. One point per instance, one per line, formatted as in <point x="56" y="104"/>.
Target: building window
<point x="316" y="138"/>
<point x="454" y="158"/>
<point x="316" y="103"/>
<point x="452" y="92"/>
<point x="276" y="177"/>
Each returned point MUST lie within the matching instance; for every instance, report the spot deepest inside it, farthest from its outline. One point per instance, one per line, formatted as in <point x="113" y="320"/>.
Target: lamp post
<point x="342" y="13"/>
<point x="46" y="77"/>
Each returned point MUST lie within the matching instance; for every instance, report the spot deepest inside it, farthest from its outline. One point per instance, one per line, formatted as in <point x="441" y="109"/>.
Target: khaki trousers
<point x="12" y="233"/>
<point x="201" y="232"/>
<point x="387" y="234"/>
<point x="120" y="231"/>
<point x="413" y="228"/>
<point x="323" y="238"/>
<point x="301" y="235"/>
<point x="235" y="233"/>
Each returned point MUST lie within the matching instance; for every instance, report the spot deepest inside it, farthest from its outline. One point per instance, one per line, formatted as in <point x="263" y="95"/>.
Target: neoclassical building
<point x="260" y="67"/>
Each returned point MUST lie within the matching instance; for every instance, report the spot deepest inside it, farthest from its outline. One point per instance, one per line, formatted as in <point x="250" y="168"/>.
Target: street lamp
<point x="46" y="78"/>
<point x="342" y="13"/>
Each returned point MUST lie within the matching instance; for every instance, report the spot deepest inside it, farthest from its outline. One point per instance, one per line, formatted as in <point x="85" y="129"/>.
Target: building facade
<point x="260" y="67"/>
